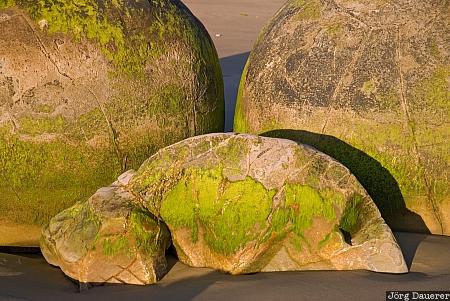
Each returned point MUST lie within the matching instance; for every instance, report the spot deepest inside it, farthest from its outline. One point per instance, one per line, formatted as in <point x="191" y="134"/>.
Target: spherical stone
<point x="89" y="89"/>
<point x="244" y="204"/>
<point x="366" y="82"/>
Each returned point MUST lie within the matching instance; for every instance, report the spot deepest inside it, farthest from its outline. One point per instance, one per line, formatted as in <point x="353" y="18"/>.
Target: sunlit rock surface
<point x="366" y="82"/>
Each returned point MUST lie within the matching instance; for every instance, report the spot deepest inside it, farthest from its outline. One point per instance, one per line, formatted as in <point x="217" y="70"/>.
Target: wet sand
<point x="234" y="26"/>
<point x="237" y="22"/>
<point x="31" y="278"/>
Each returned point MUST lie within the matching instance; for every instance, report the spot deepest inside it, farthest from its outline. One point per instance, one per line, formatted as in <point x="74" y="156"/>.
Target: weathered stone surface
<point x="89" y="89"/>
<point x="375" y="75"/>
<point x="109" y="238"/>
<point x="243" y="204"/>
<point x="236" y="203"/>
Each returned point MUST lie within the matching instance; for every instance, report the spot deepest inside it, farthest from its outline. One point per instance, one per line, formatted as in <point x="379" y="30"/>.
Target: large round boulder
<point x="366" y="82"/>
<point x="89" y="89"/>
<point x="235" y="203"/>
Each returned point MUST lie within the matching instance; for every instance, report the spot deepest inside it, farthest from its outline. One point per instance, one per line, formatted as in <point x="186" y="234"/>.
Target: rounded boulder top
<point x="89" y="89"/>
<point x="366" y="82"/>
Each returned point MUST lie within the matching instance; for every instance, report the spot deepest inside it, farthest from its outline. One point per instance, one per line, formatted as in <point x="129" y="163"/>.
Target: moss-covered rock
<point x="108" y="239"/>
<point x="374" y="75"/>
<point x="89" y="89"/>
<point x="235" y="203"/>
<point x="243" y="203"/>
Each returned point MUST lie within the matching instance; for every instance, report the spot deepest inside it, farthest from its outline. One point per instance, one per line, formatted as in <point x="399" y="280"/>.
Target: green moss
<point x="434" y="92"/>
<point x="304" y="203"/>
<point x="334" y="31"/>
<point x="233" y="152"/>
<point x="113" y="25"/>
<point x="231" y="213"/>
<point x="178" y="207"/>
<point x="325" y="240"/>
<point x="34" y="126"/>
<point x="270" y="124"/>
<point x="150" y="235"/>
<point x="350" y="220"/>
<point x="240" y="120"/>
<point x="169" y="101"/>
<point x="39" y="179"/>
<point x="43" y="108"/>
<point x="368" y="87"/>
<point x="7" y="3"/>
<point x="84" y="235"/>
<point x="310" y="9"/>
<point x="433" y="48"/>
<point x="113" y="246"/>
<point x="388" y="100"/>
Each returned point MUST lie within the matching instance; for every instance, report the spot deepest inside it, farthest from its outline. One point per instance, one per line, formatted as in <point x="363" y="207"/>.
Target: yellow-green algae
<point x="150" y="234"/>
<point x="351" y="219"/>
<point x="53" y="161"/>
<point x="301" y="205"/>
<point x="117" y="245"/>
<point x="230" y="212"/>
<point x="310" y="9"/>
<point x="115" y="26"/>
<point x="240" y="121"/>
<point x="58" y="172"/>
<point x="434" y="92"/>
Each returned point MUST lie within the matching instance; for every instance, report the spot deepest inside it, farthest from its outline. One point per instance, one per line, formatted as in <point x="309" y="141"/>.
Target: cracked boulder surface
<point x="244" y="204"/>
<point x="90" y="89"/>
<point x="366" y="82"/>
<point x="109" y="239"/>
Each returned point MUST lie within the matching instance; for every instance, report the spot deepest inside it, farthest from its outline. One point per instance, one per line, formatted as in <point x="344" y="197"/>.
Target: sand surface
<point x="31" y="278"/>
<point x="236" y="24"/>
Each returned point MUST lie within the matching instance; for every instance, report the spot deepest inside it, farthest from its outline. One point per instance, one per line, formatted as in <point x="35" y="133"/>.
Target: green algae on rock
<point x="89" y="89"/>
<point x="108" y="239"/>
<point x="235" y="203"/>
<point x="373" y="74"/>
<point x="243" y="204"/>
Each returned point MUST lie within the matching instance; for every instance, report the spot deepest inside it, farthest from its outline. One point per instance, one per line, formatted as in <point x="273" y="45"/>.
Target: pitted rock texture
<point x="235" y="203"/>
<point x="243" y="204"/>
<point x="109" y="238"/>
<point x="90" y="89"/>
<point x="375" y="75"/>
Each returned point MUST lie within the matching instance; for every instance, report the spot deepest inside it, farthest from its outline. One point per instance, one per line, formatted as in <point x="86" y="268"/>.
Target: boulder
<point x="235" y="203"/>
<point x="245" y="204"/>
<point x="109" y="239"/>
<point x="90" y="89"/>
<point x="366" y="82"/>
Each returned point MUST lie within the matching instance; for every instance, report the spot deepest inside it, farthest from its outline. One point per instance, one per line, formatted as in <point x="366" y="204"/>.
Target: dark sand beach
<point x="29" y="277"/>
<point x="234" y="25"/>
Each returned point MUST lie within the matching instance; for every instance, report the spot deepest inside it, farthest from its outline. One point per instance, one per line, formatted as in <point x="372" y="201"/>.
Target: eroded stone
<point x="109" y="238"/>
<point x="374" y="75"/>
<point x="235" y="203"/>
<point x="243" y="204"/>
